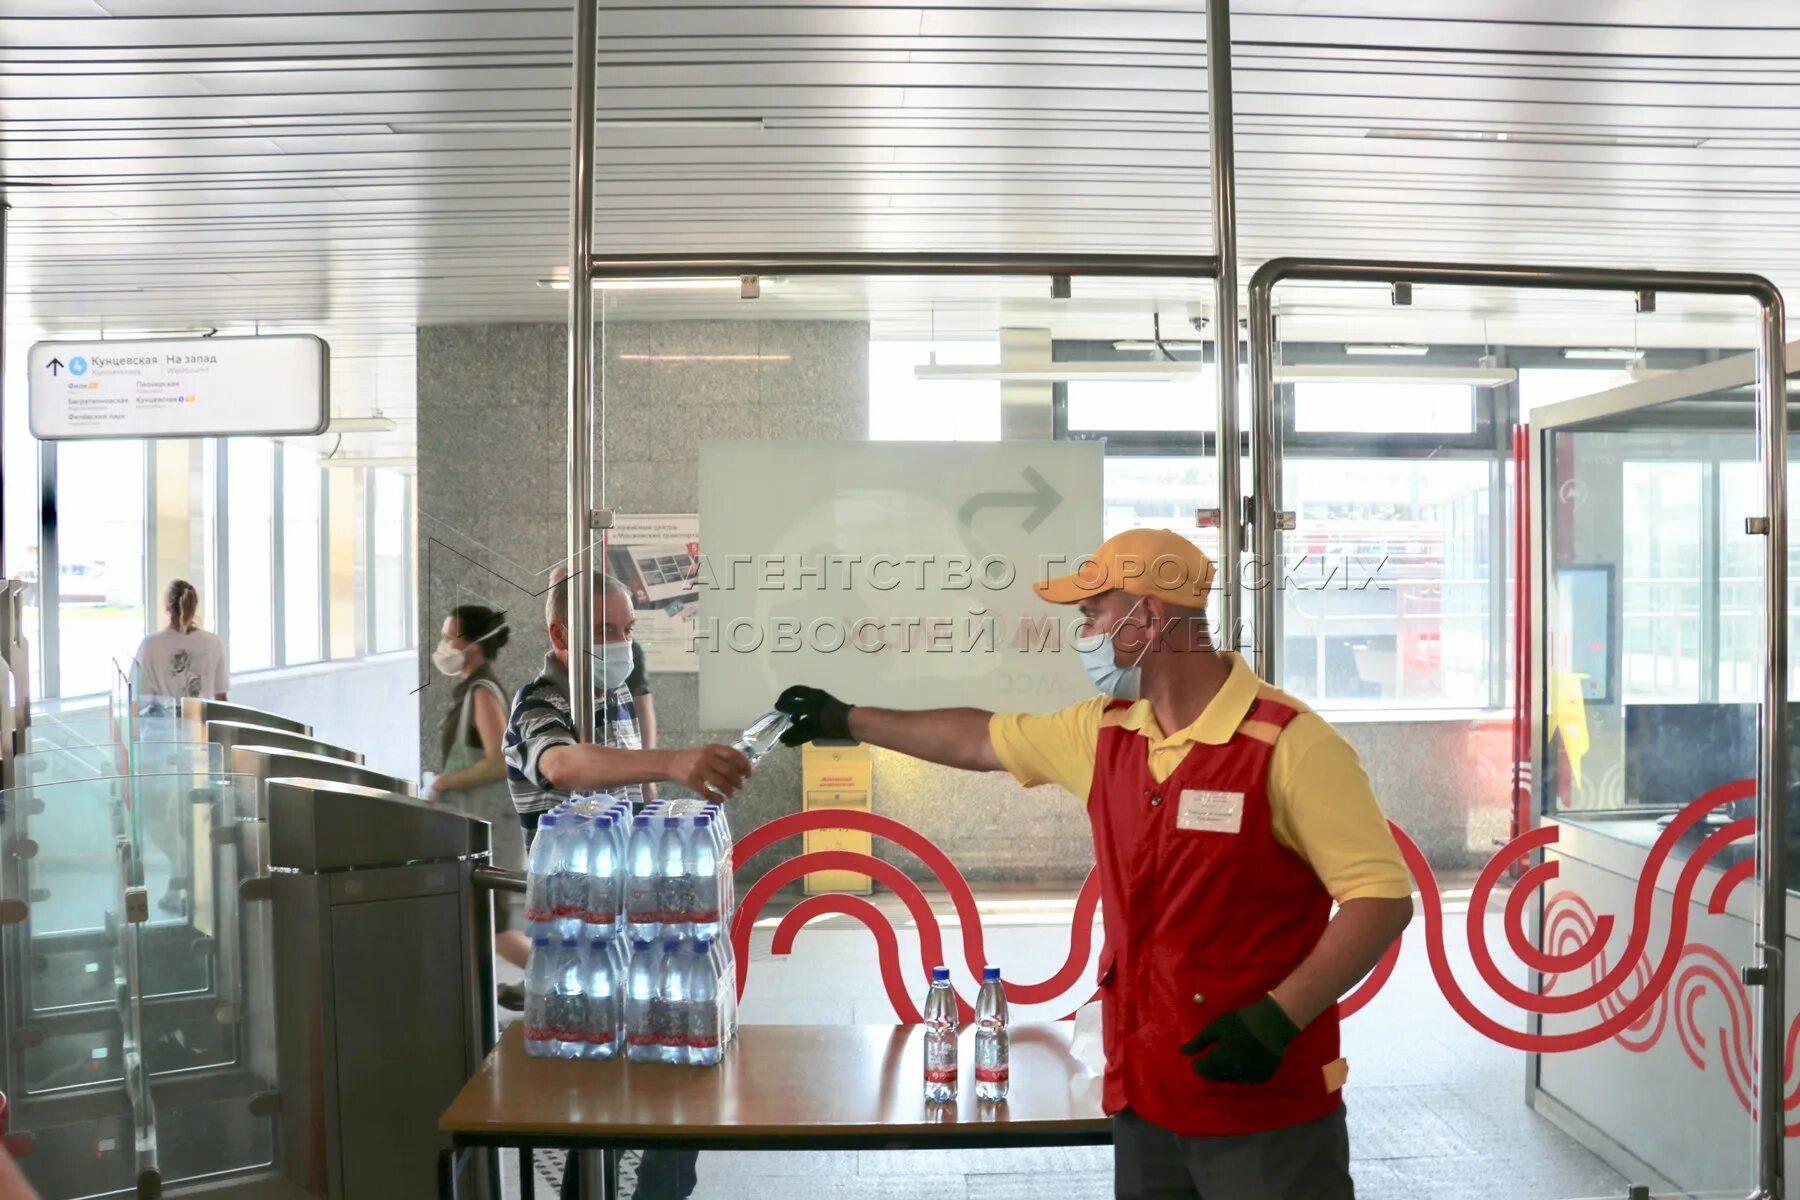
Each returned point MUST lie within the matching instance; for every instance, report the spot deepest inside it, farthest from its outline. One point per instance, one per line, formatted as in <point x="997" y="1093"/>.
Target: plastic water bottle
<point x="566" y="1012"/>
<point x="670" y="1015"/>
<point x="642" y="980"/>
<point x="540" y="906"/>
<point x="602" y="908"/>
<point x="671" y="869"/>
<point x="721" y="827"/>
<point x="703" y="880"/>
<point x="940" y="1039"/>
<point x="604" y="1017"/>
<point x="993" y="1044"/>
<point x="724" y="969"/>
<point x="540" y="982"/>
<point x="643" y="887"/>
<point x="569" y="875"/>
<point x="705" y="1029"/>
<point x="762" y="735"/>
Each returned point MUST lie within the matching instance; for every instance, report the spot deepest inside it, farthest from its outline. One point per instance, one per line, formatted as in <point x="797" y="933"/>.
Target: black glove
<point x="817" y="714"/>
<point x="1245" y="1046"/>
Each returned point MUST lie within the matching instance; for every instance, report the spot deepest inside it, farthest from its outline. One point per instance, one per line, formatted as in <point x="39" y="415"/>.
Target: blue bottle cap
<point x="596" y="943"/>
<point x="643" y="943"/>
<point x="546" y="820"/>
<point x="940" y="974"/>
<point x="673" y="947"/>
<point x="991" y="975"/>
<point x="568" y="943"/>
<point x="604" y="820"/>
<point x="640" y="821"/>
<point x="702" y="822"/>
<point x="540" y="941"/>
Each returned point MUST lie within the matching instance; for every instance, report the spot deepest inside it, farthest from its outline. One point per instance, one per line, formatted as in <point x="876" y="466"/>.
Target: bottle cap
<point x="671" y="947"/>
<point x="568" y="943"/>
<point x="547" y="820"/>
<point x="643" y="943"/>
<point x="641" y="821"/>
<point x="991" y="975"/>
<point x="702" y="822"/>
<point x="940" y="974"/>
<point x="703" y="944"/>
<point x="540" y="941"/>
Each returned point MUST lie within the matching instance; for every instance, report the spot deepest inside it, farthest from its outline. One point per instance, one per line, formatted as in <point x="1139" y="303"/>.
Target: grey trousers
<point x="1301" y="1162"/>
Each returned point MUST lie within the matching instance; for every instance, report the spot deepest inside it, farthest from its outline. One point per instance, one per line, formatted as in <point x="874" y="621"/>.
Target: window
<point x="101" y="615"/>
<point x="250" y="552"/>
<point x="302" y="493"/>
<point x="1386" y="406"/>
<point x="905" y="408"/>
<point x="1388" y="580"/>
<point x="389" y="564"/>
<point x="1175" y="406"/>
<point x="1660" y="591"/>
<point x="1539" y="386"/>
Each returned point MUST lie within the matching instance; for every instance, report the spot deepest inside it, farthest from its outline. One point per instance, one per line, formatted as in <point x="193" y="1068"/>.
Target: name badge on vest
<point x="1210" y="812"/>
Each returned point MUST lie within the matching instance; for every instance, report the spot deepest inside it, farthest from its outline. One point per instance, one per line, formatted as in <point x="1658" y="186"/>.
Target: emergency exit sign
<point x="180" y="388"/>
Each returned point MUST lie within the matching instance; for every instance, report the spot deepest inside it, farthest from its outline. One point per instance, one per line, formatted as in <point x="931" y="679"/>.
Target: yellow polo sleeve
<point x="1054" y="747"/>
<point x="1323" y="807"/>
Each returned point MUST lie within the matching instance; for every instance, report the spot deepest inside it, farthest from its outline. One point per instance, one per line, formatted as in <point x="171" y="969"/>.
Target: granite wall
<point x="491" y="511"/>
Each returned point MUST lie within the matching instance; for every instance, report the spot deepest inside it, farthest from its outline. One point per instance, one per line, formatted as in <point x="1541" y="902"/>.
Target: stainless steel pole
<point x="1772" y="827"/>
<point x="663" y="266"/>
<point x="581" y="372"/>
<point x="1225" y="318"/>
<point x="1265" y="455"/>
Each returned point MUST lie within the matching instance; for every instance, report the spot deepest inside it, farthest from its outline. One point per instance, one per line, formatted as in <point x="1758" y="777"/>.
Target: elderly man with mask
<point x="545" y="762"/>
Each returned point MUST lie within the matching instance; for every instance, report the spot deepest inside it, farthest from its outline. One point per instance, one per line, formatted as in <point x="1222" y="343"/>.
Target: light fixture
<point x="1530" y="137"/>
<point x="522" y="125"/>
<point x="1616" y="354"/>
<point x="1130" y="344"/>
<point x="374" y="424"/>
<point x="398" y="462"/>
<point x="718" y="284"/>
<point x="1397" y="350"/>
<point x="660" y="358"/>
<point x="1168" y="372"/>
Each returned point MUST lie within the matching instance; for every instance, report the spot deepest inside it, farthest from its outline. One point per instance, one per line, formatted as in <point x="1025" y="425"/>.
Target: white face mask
<point x="1099" y="661"/>
<point x="449" y="660"/>
<point x="612" y="665"/>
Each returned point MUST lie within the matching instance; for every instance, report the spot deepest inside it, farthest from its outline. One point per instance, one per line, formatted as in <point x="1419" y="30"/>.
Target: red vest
<point x="1201" y="921"/>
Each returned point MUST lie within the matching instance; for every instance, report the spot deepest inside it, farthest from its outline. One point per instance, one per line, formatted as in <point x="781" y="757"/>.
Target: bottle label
<point x="703" y="916"/>
<point x="640" y="1039"/>
<point x="997" y="1074"/>
<point x="940" y="1074"/>
<point x="940" y="1058"/>
<point x="539" y="1033"/>
<point x="540" y="914"/>
<point x="600" y="1037"/>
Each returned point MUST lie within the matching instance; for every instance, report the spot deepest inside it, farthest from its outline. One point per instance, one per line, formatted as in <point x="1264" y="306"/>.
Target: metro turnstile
<point x="232" y="734"/>
<point x="382" y="973"/>
<point x="271" y="762"/>
<point x="201" y="710"/>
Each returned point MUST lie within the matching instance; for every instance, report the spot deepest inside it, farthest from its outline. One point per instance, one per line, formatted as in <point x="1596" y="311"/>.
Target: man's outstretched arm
<point x="953" y="737"/>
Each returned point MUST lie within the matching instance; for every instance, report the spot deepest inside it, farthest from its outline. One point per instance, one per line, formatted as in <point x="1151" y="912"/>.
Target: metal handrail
<point x="666" y="266"/>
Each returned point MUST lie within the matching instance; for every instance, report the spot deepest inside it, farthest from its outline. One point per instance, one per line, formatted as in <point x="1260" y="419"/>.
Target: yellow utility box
<point x="838" y="777"/>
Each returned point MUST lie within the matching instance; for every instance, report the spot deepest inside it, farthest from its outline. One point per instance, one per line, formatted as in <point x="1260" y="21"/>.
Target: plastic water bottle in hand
<point x="643" y="885"/>
<point x="540" y="982"/>
<point x="940" y="1039"/>
<point x="642" y="979"/>
<point x="993" y="1044"/>
<point x="762" y="735"/>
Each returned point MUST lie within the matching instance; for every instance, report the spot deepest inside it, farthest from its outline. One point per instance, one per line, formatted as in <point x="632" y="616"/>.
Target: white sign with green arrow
<point x="892" y="573"/>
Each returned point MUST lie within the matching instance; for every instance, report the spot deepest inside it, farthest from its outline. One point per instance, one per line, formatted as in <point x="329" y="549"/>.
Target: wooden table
<point x="780" y="1087"/>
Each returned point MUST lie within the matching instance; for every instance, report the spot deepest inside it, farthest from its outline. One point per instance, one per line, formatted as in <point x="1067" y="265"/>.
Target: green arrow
<point x="1042" y="499"/>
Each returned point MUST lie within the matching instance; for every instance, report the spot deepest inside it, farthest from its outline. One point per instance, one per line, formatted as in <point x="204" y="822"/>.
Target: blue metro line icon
<point x="77" y="365"/>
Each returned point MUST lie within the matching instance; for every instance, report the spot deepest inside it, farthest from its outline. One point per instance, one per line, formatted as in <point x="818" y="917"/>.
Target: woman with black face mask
<point x="470" y="743"/>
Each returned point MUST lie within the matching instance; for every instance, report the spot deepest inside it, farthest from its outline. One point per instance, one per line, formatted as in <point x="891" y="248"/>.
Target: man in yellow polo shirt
<point x="1222" y="849"/>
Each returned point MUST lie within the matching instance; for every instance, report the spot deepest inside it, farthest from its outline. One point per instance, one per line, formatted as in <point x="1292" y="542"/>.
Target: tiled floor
<point x="1436" y="1111"/>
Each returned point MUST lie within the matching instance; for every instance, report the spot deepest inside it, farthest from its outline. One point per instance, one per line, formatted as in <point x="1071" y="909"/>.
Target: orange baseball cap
<point x="1141" y="562"/>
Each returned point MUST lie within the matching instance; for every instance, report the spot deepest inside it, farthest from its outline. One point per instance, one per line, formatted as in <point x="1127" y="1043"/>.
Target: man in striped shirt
<point x="545" y="762"/>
